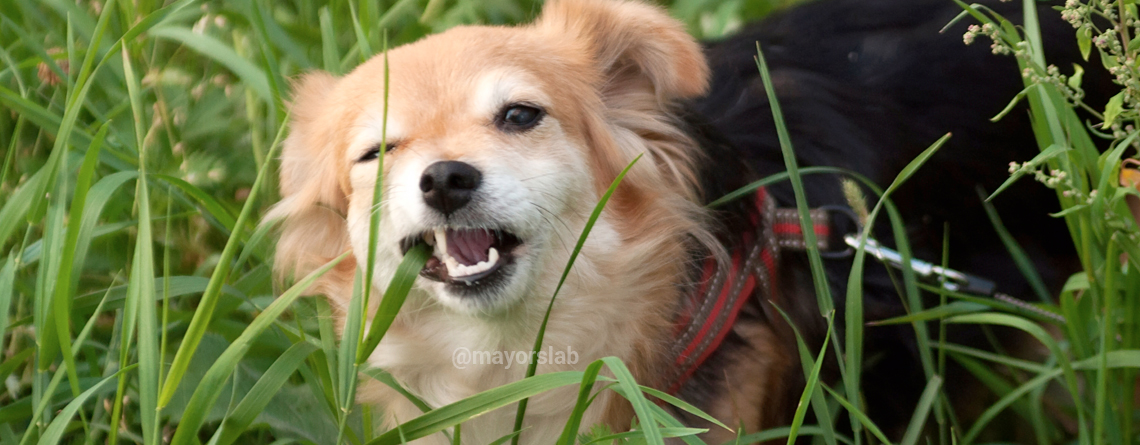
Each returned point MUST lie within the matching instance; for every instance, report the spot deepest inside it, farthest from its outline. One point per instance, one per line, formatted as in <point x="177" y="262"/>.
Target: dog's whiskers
<point x="554" y="197"/>
<point x="558" y="236"/>
<point x="537" y="176"/>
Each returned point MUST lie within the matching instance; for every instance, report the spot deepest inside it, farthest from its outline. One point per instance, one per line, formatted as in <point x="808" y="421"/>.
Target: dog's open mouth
<point x="464" y="256"/>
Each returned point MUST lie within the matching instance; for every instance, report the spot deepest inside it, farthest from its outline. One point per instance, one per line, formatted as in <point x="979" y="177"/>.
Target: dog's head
<point x="500" y="141"/>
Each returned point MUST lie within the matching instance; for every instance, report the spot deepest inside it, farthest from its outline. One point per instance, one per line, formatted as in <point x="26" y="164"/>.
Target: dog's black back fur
<point x="867" y="85"/>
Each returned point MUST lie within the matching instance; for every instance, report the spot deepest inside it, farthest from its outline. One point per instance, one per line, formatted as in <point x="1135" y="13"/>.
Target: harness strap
<point x="790" y="235"/>
<point x="707" y="316"/>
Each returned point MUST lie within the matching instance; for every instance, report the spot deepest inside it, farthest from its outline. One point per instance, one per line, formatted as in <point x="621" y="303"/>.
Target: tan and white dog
<point x="501" y="140"/>
<point x="500" y="143"/>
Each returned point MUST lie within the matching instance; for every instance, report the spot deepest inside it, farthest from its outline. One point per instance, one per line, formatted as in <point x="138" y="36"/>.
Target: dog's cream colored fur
<point x="608" y="74"/>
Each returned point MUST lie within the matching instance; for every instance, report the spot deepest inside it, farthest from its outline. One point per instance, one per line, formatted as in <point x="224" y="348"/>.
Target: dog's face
<point x="497" y="144"/>
<point x="483" y="164"/>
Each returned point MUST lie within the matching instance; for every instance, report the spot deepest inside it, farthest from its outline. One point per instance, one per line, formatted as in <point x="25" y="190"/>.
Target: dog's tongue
<point x="469" y="246"/>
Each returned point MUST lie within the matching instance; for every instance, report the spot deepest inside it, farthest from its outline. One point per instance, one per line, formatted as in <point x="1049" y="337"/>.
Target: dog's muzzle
<point x="471" y="257"/>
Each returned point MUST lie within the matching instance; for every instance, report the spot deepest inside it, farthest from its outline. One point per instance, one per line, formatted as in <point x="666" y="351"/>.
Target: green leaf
<point x="329" y="53"/>
<point x="98" y="197"/>
<point x="776" y="433"/>
<point x="1084" y="41"/>
<point x="637" y="434"/>
<point x="1078" y="75"/>
<point x="388" y="380"/>
<point x="215" y="208"/>
<point x="1033" y="367"/>
<point x="1113" y="109"/>
<point x="20" y="203"/>
<point x="1011" y="105"/>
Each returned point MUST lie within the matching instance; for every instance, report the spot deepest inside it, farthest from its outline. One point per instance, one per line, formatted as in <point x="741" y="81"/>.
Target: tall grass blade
<point x="922" y="411"/>
<point x="205" y="311"/>
<point x="409" y="268"/>
<point x="54" y="432"/>
<point x="810" y="385"/>
<point x="394" y="297"/>
<point x="570" y="431"/>
<point x="818" y="403"/>
<point x="533" y="365"/>
<point x="1024" y="264"/>
<point x="211" y="385"/>
<point x="819" y="276"/>
<point x="390" y="381"/>
<point x="859" y="415"/>
<point x="781" y="432"/>
<point x="252" y="77"/>
<point x="449" y="415"/>
<point x="261" y="393"/>
<point x="640" y="436"/>
<point x="7" y="284"/>
<point x="631" y="391"/>
<point x="141" y="289"/>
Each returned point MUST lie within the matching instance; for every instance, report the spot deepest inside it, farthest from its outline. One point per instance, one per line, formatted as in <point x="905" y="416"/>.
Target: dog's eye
<point x="519" y="117"/>
<point x="374" y="152"/>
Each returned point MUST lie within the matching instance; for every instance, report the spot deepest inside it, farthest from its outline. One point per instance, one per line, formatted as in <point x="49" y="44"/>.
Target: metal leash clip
<point x="950" y="279"/>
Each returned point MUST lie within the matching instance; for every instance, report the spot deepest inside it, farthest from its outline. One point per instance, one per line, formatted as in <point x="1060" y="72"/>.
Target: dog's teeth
<point x="441" y="238"/>
<point x="455" y="269"/>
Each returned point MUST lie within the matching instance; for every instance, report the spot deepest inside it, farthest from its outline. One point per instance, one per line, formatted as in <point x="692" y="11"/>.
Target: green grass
<point x="139" y="305"/>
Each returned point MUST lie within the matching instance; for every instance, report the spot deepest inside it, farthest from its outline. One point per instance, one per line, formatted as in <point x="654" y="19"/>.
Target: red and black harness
<point x="708" y="315"/>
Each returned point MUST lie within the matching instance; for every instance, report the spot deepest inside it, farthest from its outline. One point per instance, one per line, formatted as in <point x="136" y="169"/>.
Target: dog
<point x="500" y="141"/>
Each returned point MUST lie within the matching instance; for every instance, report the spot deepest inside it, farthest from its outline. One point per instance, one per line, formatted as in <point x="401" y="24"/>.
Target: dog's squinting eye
<point x="374" y="152"/>
<point x="518" y="117"/>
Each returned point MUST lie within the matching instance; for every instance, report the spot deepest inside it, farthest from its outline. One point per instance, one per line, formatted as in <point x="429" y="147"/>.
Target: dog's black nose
<point x="448" y="185"/>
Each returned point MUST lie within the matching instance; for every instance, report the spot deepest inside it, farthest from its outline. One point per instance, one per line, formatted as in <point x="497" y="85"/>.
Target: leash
<point x="707" y="315"/>
<point x="949" y="279"/>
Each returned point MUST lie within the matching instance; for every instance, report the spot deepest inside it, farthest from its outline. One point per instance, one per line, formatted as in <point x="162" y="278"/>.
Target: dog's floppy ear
<point x="632" y="42"/>
<point x="313" y="197"/>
